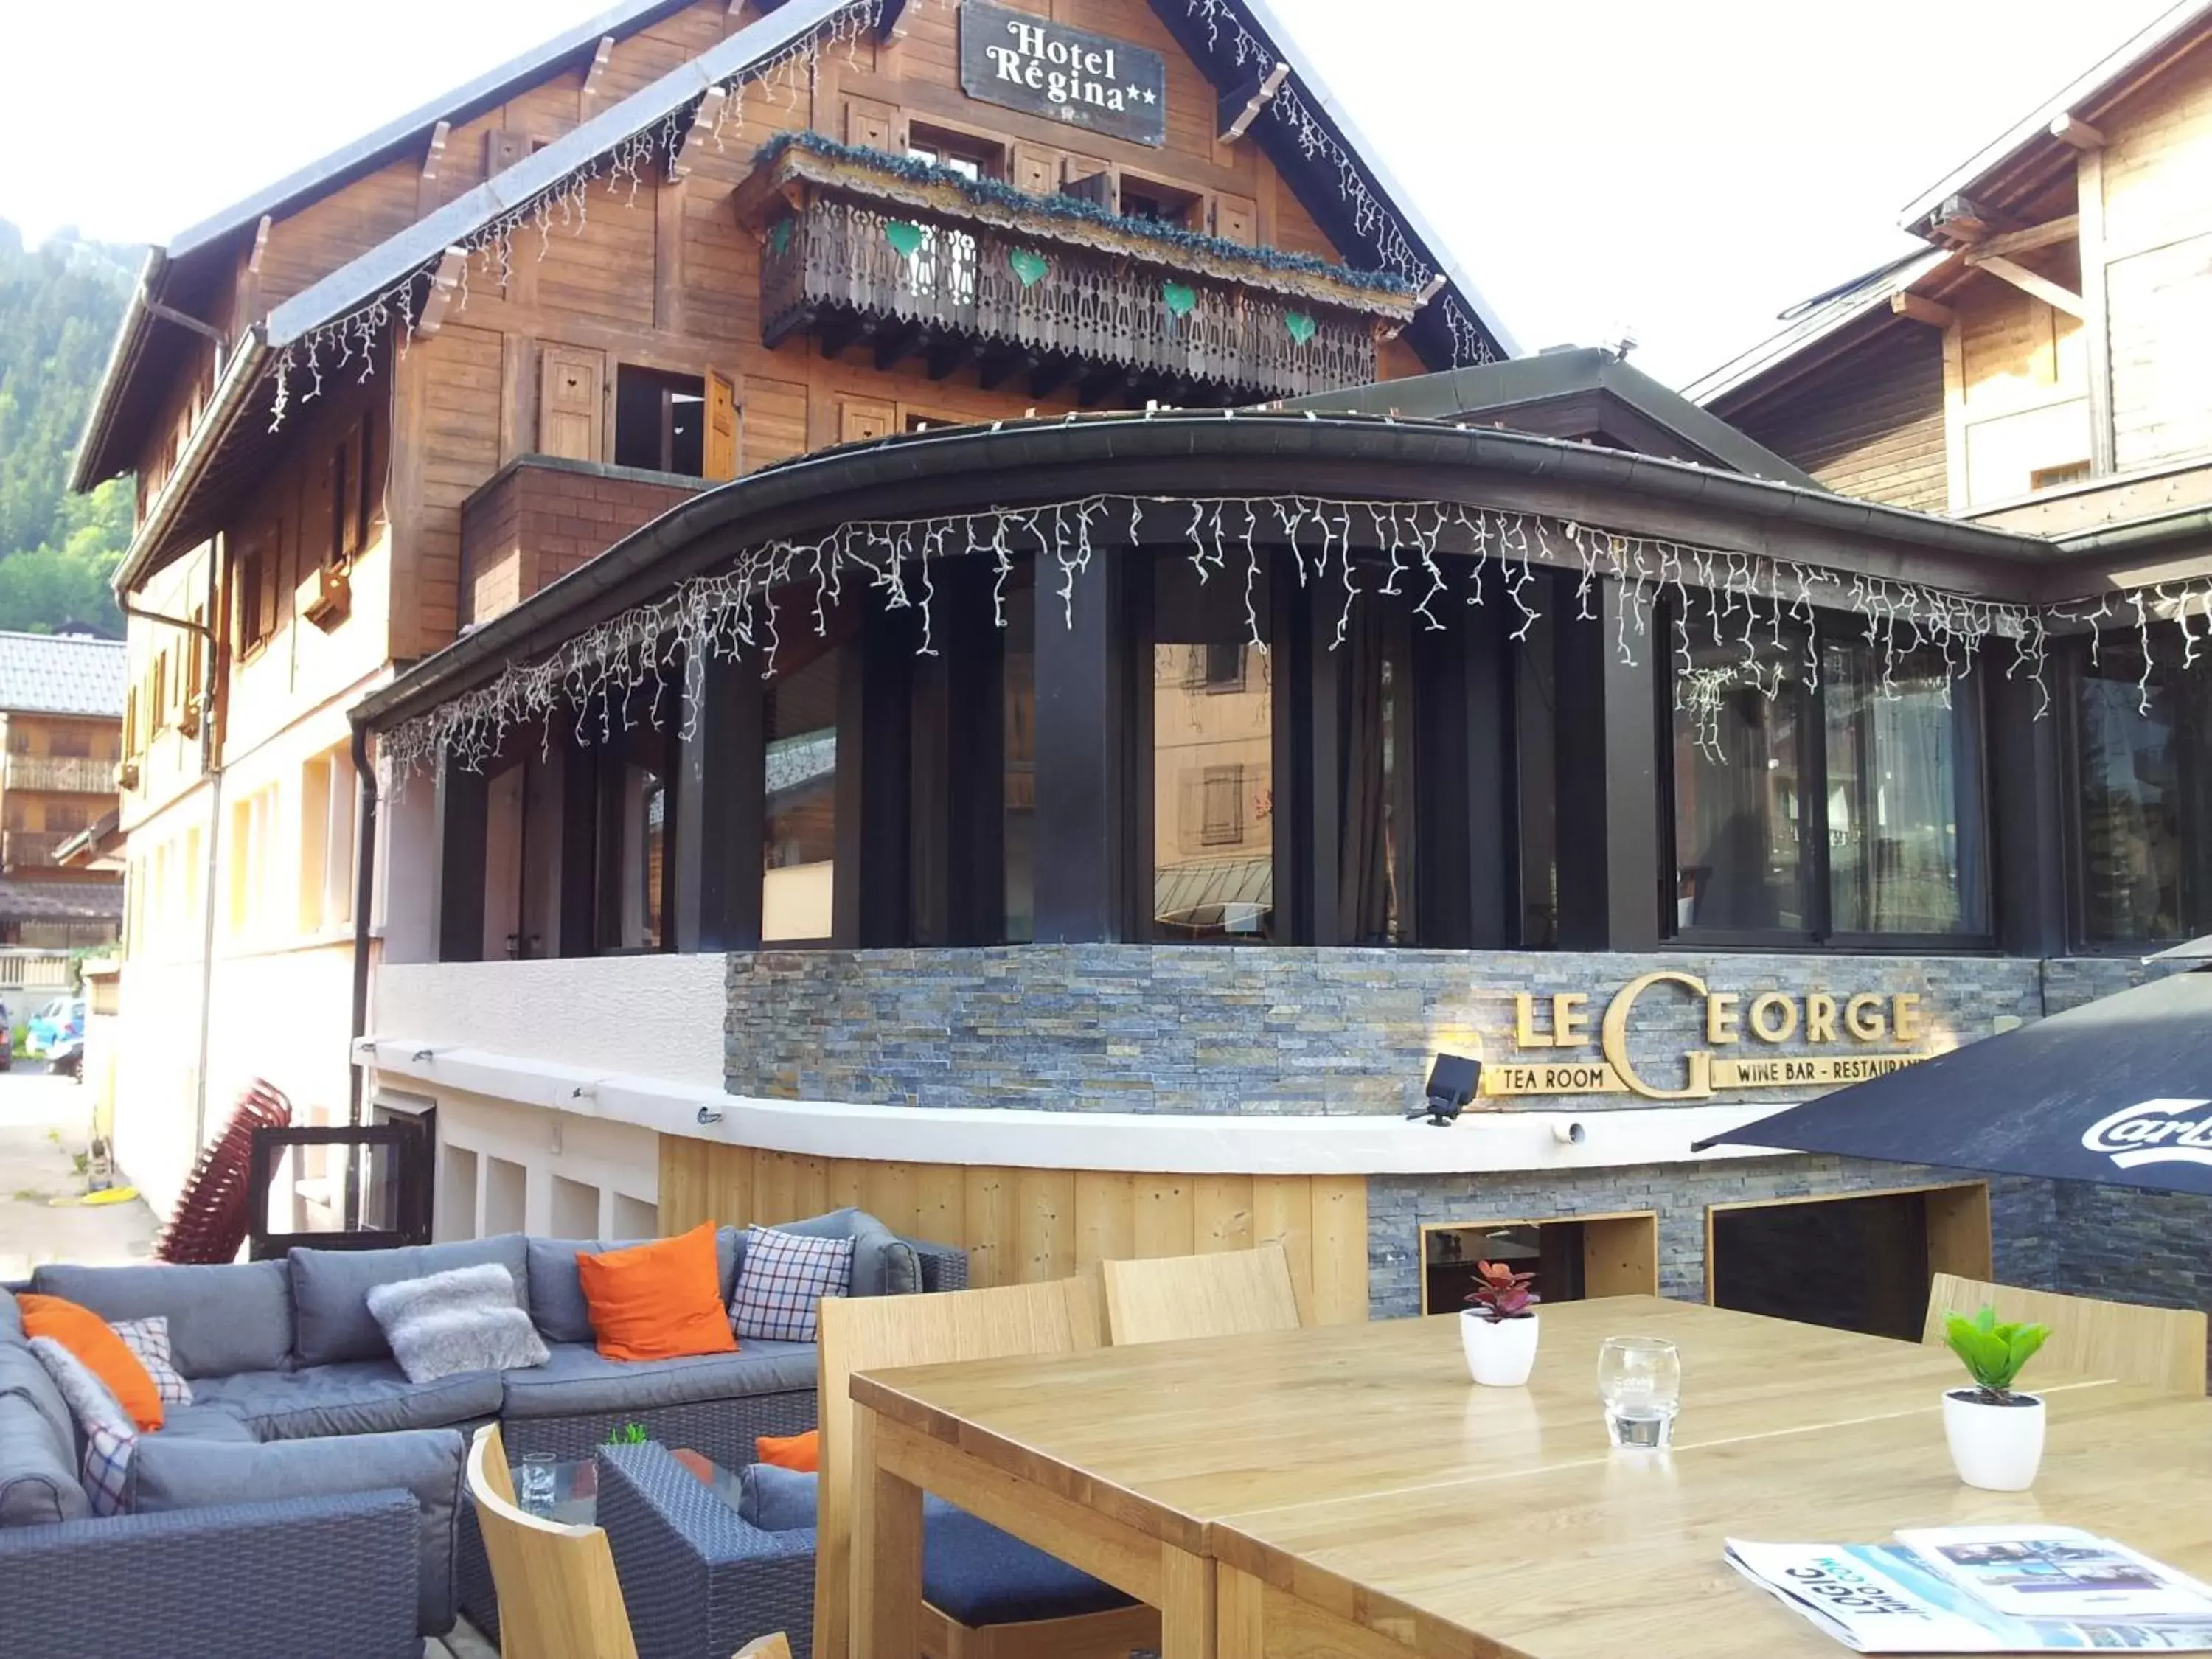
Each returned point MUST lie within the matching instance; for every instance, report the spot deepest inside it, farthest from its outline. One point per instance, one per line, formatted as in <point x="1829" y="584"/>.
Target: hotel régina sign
<point x="1557" y="1052"/>
<point x="1021" y="61"/>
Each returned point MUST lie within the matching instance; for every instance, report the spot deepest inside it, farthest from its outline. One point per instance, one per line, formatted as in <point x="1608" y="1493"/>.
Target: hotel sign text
<point x="1018" y="60"/>
<point x="1546" y="1026"/>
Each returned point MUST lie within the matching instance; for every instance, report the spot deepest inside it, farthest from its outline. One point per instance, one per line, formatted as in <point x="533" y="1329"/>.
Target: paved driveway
<point x="46" y="1128"/>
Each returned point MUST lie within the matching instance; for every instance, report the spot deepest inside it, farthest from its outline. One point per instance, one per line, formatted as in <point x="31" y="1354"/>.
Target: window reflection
<point x="1020" y="740"/>
<point x="2142" y="860"/>
<point x="799" y="838"/>
<point x="1738" y="739"/>
<point x="1213" y="796"/>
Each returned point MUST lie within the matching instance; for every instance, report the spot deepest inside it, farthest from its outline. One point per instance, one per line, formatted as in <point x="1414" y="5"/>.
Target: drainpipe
<point x="364" y="895"/>
<point x="211" y="770"/>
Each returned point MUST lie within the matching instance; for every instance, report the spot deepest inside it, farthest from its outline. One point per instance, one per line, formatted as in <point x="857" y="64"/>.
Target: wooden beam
<point x="435" y="156"/>
<point x="443" y="282"/>
<point x="703" y="129"/>
<point x="2068" y="129"/>
<point x="1962" y="219"/>
<point x="2025" y="241"/>
<point x="2040" y="287"/>
<point x="1921" y="309"/>
<point x="598" y="72"/>
<point x="260" y="245"/>
<point x="1241" y="106"/>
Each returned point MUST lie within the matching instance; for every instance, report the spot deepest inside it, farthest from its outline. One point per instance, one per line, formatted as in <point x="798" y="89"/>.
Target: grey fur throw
<point x="463" y="1319"/>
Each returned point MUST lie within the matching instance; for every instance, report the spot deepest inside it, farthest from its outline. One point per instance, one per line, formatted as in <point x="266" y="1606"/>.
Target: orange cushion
<point x="85" y="1334"/>
<point x="658" y="1301"/>
<point x="802" y="1452"/>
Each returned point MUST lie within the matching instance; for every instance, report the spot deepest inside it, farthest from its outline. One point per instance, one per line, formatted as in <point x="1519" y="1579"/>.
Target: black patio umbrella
<point x="2117" y="1091"/>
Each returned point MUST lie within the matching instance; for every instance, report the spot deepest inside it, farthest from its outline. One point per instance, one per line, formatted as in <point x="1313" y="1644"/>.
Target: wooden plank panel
<point x="1958" y="1240"/>
<point x="1620" y="1256"/>
<point x="810" y="1185"/>
<point x="1044" y="1224"/>
<point x="1105" y="1217"/>
<point x="1282" y="1209"/>
<point x="1221" y="1212"/>
<point x="992" y="1242"/>
<point x="888" y="1193"/>
<point x="1165" y="1223"/>
<point x="774" y="1190"/>
<point x="730" y="1184"/>
<point x="684" y="1202"/>
<point x="940" y="1204"/>
<point x="1339" y="1251"/>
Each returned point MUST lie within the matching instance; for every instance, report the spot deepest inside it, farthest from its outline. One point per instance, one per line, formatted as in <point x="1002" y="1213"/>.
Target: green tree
<point x="59" y="308"/>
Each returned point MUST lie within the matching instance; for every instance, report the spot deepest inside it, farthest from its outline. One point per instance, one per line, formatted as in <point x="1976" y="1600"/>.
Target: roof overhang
<point x="958" y="469"/>
<point x="1818" y="321"/>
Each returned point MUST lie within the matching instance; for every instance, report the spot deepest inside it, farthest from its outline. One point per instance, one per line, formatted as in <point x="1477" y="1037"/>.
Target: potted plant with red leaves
<point x="1497" y="1328"/>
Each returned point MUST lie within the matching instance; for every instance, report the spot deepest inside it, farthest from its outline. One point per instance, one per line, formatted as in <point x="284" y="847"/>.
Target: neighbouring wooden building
<point x="1028" y="664"/>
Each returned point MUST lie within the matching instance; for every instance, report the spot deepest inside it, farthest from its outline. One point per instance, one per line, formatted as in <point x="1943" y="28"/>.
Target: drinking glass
<point x="1640" y="1378"/>
<point x="535" y="1486"/>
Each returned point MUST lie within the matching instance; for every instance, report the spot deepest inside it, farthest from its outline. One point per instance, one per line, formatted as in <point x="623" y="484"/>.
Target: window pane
<point x="1020" y="696"/>
<point x="2144" y="862"/>
<point x="1737" y="754"/>
<point x="1213" y="853"/>
<point x="1904" y="835"/>
<point x="799" y="846"/>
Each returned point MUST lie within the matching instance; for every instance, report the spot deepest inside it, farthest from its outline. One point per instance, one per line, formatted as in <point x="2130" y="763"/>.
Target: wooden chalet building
<point x="957" y="609"/>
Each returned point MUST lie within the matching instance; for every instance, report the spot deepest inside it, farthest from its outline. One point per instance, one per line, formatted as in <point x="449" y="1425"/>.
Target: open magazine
<point x="1985" y="1589"/>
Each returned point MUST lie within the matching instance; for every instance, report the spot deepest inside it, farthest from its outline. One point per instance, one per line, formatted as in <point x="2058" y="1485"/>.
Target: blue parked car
<point x="63" y="1017"/>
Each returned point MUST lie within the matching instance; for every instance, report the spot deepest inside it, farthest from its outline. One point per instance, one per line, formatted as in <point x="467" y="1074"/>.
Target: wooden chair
<point x="1229" y="1293"/>
<point x="558" y="1597"/>
<point x="2160" y="1347"/>
<point x="868" y="1334"/>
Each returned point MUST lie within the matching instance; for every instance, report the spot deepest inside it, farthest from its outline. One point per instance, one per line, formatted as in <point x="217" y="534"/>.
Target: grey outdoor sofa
<point x="302" y="1424"/>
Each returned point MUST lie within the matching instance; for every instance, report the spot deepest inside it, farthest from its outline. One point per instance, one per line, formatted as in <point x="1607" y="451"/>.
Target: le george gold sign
<point x="1863" y="1021"/>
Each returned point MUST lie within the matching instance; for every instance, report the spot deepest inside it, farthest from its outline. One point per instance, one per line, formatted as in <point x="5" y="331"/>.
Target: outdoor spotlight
<point x="1453" y="1080"/>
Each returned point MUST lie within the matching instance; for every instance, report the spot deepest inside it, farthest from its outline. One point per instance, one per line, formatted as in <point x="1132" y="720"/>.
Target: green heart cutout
<point x="906" y="238"/>
<point x="1028" y="266"/>
<point x="1302" y="327"/>
<point x="779" y="237"/>
<point x="1181" y="298"/>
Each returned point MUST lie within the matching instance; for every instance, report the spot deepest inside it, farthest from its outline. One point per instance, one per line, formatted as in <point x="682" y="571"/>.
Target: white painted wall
<point x="503" y="1167"/>
<point x="658" y="1016"/>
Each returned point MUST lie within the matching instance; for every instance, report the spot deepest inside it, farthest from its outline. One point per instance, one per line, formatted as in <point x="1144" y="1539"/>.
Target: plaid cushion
<point x="149" y="1339"/>
<point x="110" y="1438"/>
<point x="784" y="1277"/>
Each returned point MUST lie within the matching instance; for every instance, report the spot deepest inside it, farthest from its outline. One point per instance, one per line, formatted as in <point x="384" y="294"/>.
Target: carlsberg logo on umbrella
<point x="2154" y="1132"/>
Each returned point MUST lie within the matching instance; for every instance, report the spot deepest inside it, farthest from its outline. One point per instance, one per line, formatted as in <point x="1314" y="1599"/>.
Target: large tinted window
<point x="1826" y="787"/>
<point x="2142" y="782"/>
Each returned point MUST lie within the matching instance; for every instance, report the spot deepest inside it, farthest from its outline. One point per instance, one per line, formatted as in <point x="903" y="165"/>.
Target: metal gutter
<point x="2083" y="89"/>
<point x="86" y="474"/>
<point x="1317" y="90"/>
<point x="697" y="533"/>
<point x="2138" y="535"/>
<point x="222" y="413"/>
<point x="398" y="256"/>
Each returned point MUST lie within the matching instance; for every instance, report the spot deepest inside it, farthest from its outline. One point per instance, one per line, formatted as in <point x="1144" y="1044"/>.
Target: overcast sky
<point x="1681" y="172"/>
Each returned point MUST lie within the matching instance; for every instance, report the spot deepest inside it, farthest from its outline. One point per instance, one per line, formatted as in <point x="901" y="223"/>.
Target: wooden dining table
<point x="1349" y="1491"/>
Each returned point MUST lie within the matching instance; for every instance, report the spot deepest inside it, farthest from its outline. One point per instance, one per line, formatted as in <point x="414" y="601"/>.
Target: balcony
<point x="29" y="849"/>
<point x="60" y="774"/>
<point x="540" y="516"/>
<point x="862" y="247"/>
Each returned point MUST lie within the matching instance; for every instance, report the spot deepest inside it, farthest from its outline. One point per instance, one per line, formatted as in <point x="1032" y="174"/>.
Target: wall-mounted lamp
<point x="710" y="1115"/>
<point x="1453" y="1080"/>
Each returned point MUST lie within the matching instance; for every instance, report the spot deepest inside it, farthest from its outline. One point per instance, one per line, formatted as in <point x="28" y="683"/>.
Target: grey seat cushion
<point x="185" y="1475"/>
<point x="371" y="1396"/>
<point x="221" y="1319"/>
<point x="11" y="1317"/>
<point x="556" y="1289"/>
<point x="38" y="1482"/>
<point x="214" y="1423"/>
<point x="577" y="1381"/>
<point x="884" y="1264"/>
<point x="330" y="1290"/>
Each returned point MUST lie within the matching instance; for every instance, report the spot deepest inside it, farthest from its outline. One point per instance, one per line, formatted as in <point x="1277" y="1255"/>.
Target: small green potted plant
<point x="1497" y="1328"/>
<point x="1994" y="1431"/>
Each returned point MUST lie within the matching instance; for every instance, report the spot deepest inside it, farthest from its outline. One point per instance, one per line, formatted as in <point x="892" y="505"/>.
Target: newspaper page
<point x="1884" y="1598"/>
<point x="2057" y="1572"/>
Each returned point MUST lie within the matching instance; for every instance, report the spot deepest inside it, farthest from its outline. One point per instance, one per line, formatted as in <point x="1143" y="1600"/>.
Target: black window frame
<point x="1970" y="699"/>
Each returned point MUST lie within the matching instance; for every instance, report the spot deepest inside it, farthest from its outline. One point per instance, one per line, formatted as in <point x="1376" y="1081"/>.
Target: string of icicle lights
<point x="349" y="341"/>
<point x="1427" y="556"/>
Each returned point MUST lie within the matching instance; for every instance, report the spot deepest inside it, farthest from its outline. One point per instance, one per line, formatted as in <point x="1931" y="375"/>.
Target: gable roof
<point x="1594" y="392"/>
<point x="1324" y="156"/>
<point x="60" y="674"/>
<point x="1809" y="322"/>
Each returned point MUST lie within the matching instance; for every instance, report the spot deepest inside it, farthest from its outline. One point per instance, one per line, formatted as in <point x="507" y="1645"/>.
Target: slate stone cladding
<point x="1200" y="1028"/>
<point x="1398" y="1207"/>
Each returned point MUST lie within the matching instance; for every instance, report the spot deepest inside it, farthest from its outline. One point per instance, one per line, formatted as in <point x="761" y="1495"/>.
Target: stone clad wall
<point x="1209" y="1029"/>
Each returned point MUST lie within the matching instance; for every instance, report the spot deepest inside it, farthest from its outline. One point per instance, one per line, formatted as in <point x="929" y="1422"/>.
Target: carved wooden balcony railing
<point x="67" y="775"/>
<point x="855" y="249"/>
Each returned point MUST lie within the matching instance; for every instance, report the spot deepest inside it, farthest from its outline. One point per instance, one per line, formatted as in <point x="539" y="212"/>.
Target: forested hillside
<point x="58" y="311"/>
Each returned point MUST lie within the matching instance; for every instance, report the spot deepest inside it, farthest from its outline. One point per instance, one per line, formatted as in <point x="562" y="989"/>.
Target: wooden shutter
<point x="721" y="444"/>
<point x="858" y="419"/>
<point x="1085" y="184"/>
<point x="572" y="403"/>
<point x="868" y="124"/>
<point x="1036" y="171"/>
<point x="1236" y="218"/>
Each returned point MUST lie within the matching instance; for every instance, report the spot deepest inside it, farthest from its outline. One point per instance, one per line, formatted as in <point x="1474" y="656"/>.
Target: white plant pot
<point x="1500" y="1353"/>
<point x="1997" y="1448"/>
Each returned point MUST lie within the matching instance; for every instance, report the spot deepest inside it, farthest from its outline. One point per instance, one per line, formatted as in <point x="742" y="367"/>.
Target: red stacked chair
<point x="212" y="1218"/>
